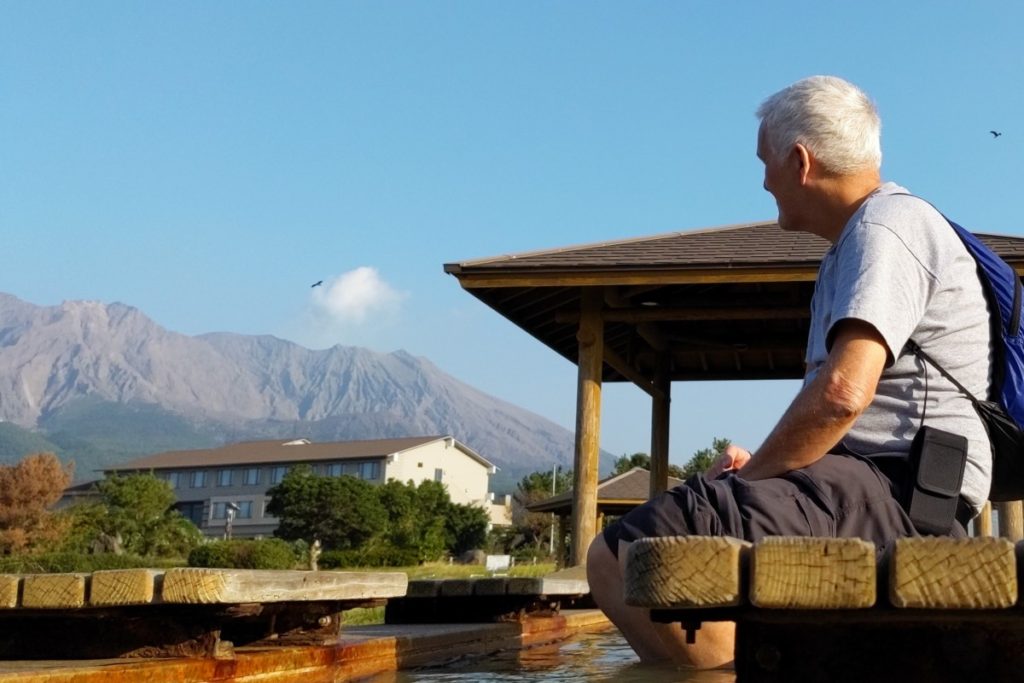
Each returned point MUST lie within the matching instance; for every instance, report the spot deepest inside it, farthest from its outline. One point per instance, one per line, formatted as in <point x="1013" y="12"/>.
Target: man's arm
<point x="825" y="409"/>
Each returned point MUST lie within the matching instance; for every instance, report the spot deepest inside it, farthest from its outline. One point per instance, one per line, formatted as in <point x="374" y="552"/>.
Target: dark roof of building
<point x="723" y="303"/>
<point x="744" y="245"/>
<point x="627" y="489"/>
<point x="280" y="451"/>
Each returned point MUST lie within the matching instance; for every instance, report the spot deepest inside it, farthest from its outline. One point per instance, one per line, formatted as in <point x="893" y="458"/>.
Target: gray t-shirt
<point x="899" y="266"/>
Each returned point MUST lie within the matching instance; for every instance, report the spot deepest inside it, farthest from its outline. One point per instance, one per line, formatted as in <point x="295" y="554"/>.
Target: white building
<point x="209" y="483"/>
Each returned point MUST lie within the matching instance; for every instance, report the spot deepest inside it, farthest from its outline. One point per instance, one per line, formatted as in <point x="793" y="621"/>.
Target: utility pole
<point x="551" y="540"/>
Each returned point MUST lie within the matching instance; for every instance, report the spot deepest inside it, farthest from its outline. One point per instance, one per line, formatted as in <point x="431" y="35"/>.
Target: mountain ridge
<point x="65" y="367"/>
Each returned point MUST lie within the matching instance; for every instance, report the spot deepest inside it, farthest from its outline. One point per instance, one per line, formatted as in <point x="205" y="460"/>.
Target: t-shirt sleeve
<point x="882" y="282"/>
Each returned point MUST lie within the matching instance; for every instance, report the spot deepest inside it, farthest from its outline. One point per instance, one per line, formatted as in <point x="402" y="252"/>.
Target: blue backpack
<point x="1003" y="412"/>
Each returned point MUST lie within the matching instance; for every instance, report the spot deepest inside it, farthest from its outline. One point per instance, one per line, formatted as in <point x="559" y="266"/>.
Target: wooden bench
<point x="178" y="612"/>
<point x="930" y="609"/>
<point x="488" y="599"/>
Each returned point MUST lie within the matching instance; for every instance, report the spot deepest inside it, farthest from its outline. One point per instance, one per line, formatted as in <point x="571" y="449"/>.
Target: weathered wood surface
<point x="676" y="575"/>
<point x="228" y="586"/>
<point x="564" y="582"/>
<point x="9" y="585"/>
<point x="682" y="572"/>
<point x="948" y="573"/>
<point x="54" y="591"/>
<point x="125" y="587"/>
<point x="813" y="573"/>
<point x="1011" y="519"/>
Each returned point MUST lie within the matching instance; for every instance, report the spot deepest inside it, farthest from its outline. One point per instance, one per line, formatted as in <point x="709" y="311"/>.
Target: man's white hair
<point x="834" y="119"/>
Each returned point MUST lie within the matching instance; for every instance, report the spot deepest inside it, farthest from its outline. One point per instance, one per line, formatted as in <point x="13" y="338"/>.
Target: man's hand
<point x="731" y="459"/>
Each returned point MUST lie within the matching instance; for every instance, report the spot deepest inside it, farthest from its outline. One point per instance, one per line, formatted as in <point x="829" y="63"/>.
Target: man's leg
<point x="715" y="642"/>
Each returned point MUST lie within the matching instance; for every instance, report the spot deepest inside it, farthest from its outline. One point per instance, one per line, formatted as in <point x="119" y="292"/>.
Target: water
<point x="596" y="656"/>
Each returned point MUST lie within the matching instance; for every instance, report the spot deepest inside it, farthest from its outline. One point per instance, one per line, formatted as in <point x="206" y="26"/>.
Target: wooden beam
<point x="9" y="584"/>
<point x="563" y="531"/>
<point x="637" y="277"/>
<point x="53" y="591"/>
<point x="653" y="335"/>
<point x="124" y="587"/>
<point x="229" y="586"/>
<point x="674" y="314"/>
<point x="813" y="573"/>
<point x="661" y="412"/>
<point x="621" y="366"/>
<point x="983" y="522"/>
<point x="953" y="573"/>
<point x="1011" y="520"/>
<point x="673" y="572"/>
<point x="590" y="336"/>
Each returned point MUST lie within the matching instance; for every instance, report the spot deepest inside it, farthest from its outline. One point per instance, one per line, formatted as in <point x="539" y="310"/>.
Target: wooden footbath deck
<point x="241" y="625"/>
<point x="815" y="609"/>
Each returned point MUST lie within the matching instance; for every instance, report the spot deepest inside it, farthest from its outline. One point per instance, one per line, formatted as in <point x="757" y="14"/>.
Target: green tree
<point x="343" y="512"/>
<point x="628" y="462"/>
<point x="466" y="528"/>
<point x="535" y="527"/>
<point x="703" y="458"/>
<point x="139" y="510"/>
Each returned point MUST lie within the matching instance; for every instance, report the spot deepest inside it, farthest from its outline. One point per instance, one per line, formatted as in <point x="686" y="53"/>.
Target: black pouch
<point x="937" y="461"/>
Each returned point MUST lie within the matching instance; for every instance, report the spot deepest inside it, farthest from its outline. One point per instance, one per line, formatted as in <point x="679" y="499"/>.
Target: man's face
<point x="780" y="179"/>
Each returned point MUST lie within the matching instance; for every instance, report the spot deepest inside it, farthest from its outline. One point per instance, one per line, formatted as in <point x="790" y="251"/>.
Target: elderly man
<point x="836" y="464"/>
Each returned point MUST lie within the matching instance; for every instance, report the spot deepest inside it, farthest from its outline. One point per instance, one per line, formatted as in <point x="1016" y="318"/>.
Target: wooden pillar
<point x="563" y="530"/>
<point x="590" y="336"/>
<point x="1011" y="520"/>
<point x="983" y="522"/>
<point x="661" y="408"/>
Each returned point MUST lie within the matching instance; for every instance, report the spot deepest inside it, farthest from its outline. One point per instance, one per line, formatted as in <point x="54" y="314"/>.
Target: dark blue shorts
<point x="838" y="496"/>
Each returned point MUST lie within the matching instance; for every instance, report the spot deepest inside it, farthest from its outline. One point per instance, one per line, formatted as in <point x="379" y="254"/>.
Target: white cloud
<point x="354" y="297"/>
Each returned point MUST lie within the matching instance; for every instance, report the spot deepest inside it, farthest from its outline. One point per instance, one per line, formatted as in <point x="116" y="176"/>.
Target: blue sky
<point x="207" y="162"/>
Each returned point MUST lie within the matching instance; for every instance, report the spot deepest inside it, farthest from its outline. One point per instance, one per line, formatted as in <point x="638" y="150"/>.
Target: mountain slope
<point x="107" y="378"/>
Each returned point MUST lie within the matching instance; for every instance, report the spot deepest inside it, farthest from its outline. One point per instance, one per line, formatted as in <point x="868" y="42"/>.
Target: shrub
<point x="373" y="556"/>
<point x="268" y="553"/>
<point x="57" y="563"/>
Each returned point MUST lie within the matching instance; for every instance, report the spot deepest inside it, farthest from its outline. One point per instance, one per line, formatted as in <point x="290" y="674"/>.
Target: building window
<point x="352" y="469"/>
<point x="334" y="470"/>
<point x="244" y="509"/>
<point x="219" y="511"/>
<point x="224" y="478"/>
<point x="252" y="476"/>
<point x="369" y="470"/>
<point x="277" y="474"/>
<point x="192" y="511"/>
<point x="174" y="479"/>
<point x="198" y="479"/>
<point x="438" y="474"/>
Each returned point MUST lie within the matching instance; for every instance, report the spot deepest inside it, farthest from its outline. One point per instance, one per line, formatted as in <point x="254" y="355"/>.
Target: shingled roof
<point x="728" y="303"/>
<point x="615" y="495"/>
<point x="282" y="451"/>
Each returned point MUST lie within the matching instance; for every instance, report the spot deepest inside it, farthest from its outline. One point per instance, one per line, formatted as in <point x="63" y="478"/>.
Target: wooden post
<point x="590" y="336"/>
<point x="563" y="530"/>
<point x="660" y="413"/>
<point x="1011" y="520"/>
<point x="983" y="523"/>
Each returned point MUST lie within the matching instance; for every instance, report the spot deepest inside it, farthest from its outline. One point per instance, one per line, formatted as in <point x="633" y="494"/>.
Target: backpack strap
<point x="920" y="353"/>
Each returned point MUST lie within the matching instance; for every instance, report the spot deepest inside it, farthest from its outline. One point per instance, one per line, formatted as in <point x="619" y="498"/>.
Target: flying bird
<point x="316" y="284"/>
<point x="995" y="134"/>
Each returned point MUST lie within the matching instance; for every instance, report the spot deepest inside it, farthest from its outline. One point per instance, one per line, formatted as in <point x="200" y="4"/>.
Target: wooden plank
<point x="54" y="591"/>
<point x="568" y="581"/>
<point x="424" y="588"/>
<point x="953" y="573"/>
<point x="495" y="585"/>
<point x="684" y="572"/>
<point x="9" y="584"/>
<point x="232" y="586"/>
<point x="813" y="573"/>
<point x="124" y="587"/>
<point x="452" y="588"/>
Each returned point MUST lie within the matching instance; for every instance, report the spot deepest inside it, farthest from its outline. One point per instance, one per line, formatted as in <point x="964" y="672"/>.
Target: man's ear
<point x="804" y="160"/>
